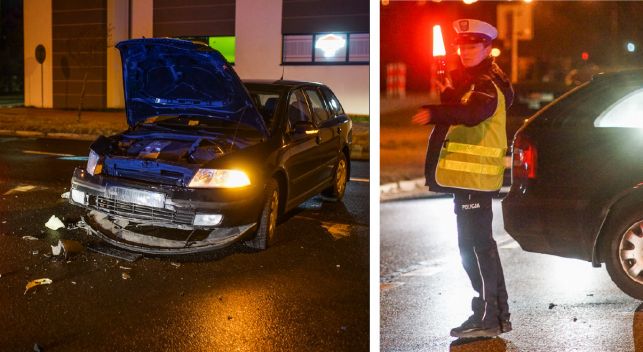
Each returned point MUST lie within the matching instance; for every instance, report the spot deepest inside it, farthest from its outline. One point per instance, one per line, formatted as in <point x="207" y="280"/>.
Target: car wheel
<point x="337" y="190"/>
<point x="267" y="224"/>
<point x="624" y="260"/>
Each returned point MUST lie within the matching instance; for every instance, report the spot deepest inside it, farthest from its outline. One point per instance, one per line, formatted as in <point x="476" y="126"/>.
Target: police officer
<point x="465" y="157"/>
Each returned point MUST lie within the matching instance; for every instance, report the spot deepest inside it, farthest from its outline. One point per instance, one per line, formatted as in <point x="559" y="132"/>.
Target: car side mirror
<point x="302" y="126"/>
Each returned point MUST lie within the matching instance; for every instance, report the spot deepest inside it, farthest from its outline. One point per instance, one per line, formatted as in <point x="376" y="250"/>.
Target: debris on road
<point x="124" y="267"/>
<point x="575" y="319"/>
<point x="337" y="231"/>
<point x="66" y="248"/>
<point x="125" y="276"/>
<point x="29" y="238"/>
<point x="551" y="305"/>
<point x="178" y="265"/>
<point x="25" y="188"/>
<point x="65" y="195"/>
<point x="37" y="348"/>
<point x="114" y="252"/>
<point x="54" y="223"/>
<point x="38" y="282"/>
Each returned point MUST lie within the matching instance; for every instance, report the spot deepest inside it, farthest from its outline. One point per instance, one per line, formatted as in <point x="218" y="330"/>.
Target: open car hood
<point x="179" y="77"/>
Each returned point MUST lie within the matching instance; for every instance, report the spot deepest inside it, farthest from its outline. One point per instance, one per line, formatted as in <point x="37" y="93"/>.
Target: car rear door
<point x="327" y="135"/>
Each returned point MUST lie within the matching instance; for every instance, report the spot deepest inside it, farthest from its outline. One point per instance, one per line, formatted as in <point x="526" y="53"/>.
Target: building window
<point x="224" y="44"/>
<point x="325" y="48"/>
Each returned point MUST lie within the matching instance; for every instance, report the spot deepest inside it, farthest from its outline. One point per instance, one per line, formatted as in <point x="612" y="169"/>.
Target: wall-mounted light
<point x="329" y="44"/>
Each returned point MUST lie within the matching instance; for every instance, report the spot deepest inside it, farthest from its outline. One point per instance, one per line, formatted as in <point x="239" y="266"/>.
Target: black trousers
<point x="480" y="257"/>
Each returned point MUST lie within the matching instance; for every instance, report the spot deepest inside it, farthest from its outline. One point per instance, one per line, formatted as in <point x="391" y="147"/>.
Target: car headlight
<point x="94" y="163"/>
<point x="216" y="178"/>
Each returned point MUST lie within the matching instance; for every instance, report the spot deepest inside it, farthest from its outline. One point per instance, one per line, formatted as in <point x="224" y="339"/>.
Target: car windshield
<point x="266" y="102"/>
<point x="207" y="124"/>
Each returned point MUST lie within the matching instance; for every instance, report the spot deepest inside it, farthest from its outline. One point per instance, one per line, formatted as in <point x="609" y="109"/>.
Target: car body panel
<point x="582" y="172"/>
<point x="165" y="76"/>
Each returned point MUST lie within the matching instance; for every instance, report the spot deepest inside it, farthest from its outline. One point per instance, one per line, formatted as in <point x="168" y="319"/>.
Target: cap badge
<point x="464" y="25"/>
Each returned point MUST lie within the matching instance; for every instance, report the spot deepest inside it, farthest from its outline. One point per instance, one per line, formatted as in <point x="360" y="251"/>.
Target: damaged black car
<point x="208" y="160"/>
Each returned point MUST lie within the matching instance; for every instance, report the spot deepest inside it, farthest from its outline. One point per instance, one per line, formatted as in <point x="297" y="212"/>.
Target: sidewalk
<point x="403" y="148"/>
<point x="64" y="124"/>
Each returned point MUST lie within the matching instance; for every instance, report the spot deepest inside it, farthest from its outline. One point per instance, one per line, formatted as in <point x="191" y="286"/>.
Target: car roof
<point x="628" y="74"/>
<point x="287" y="84"/>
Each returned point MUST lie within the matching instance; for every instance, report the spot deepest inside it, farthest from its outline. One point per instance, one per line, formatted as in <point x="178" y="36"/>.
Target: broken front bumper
<point x="212" y="218"/>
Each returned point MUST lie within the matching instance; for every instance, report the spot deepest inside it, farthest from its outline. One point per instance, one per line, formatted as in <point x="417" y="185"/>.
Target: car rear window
<point x="583" y="105"/>
<point x="626" y="112"/>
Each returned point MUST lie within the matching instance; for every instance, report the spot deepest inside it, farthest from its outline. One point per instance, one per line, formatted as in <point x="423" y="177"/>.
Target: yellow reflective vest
<point x="472" y="158"/>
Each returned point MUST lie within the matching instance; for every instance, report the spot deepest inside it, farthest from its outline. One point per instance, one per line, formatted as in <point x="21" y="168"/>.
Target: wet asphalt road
<point x="307" y="293"/>
<point x="425" y="292"/>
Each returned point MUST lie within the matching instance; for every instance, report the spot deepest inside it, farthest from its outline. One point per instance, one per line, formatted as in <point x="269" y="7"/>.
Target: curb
<point x="413" y="189"/>
<point x="54" y="135"/>
<point x="407" y="189"/>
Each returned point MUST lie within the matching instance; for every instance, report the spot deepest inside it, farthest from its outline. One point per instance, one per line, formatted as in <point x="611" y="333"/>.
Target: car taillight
<point x="525" y="158"/>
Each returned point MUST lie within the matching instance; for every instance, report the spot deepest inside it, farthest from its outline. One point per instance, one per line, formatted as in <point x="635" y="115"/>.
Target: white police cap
<point x="474" y="31"/>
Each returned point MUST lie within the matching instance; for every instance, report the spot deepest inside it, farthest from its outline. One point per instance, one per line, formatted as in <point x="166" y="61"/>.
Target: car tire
<point x="266" y="227"/>
<point x="336" y="191"/>
<point x="624" y="252"/>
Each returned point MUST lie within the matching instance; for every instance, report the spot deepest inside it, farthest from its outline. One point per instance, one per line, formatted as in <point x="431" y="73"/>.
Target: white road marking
<point x="428" y="271"/>
<point x="510" y="245"/>
<point x="23" y="188"/>
<point x="37" y="152"/>
<point x="359" y="179"/>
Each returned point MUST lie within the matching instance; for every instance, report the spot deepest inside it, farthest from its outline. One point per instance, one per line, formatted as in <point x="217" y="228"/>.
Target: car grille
<point x="165" y="177"/>
<point x="140" y="212"/>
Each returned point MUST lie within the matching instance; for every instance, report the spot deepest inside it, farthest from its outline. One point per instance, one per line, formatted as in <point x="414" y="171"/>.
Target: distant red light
<point x="584" y="56"/>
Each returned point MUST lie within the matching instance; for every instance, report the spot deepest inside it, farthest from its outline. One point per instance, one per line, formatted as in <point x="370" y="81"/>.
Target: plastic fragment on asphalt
<point x="551" y="305"/>
<point x="337" y="231"/>
<point x="114" y="252"/>
<point x="37" y="348"/>
<point x="176" y="264"/>
<point x="66" y="248"/>
<point x="38" y="282"/>
<point x="65" y="195"/>
<point x="125" y="276"/>
<point x="29" y="238"/>
<point x="124" y="267"/>
<point x="54" y="223"/>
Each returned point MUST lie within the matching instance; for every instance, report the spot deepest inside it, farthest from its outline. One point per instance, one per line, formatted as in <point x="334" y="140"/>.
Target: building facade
<point x="314" y="40"/>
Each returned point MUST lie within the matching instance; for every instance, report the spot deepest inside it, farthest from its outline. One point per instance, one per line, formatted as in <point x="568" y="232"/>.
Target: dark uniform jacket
<point x="480" y="106"/>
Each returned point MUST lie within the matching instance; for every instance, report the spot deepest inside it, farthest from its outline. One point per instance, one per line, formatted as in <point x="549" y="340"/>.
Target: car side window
<point x="333" y="104"/>
<point x="298" y="108"/>
<point x="319" y="108"/>
<point x="625" y="112"/>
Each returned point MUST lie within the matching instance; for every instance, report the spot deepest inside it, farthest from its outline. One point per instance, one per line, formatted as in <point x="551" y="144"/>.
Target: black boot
<point x="473" y="327"/>
<point x="505" y="325"/>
